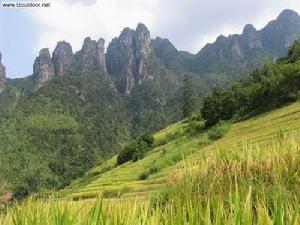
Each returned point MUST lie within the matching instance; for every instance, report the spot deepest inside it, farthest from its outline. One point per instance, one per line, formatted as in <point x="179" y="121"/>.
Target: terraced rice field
<point x="125" y="181"/>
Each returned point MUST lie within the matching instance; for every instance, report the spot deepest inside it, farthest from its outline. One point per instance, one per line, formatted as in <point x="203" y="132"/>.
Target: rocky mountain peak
<point x="221" y="39"/>
<point x="235" y="53"/>
<point x="251" y="37"/>
<point x="287" y="16"/>
<point x="143" y="52"/>
<point x="142" y="29"/>
<point x="43" y="68"/>
<point x="62" y="58"/>
<point x="2" y="74"/>
<point x="166" y="52"/>
<point x="249" y="29"/>
<point x="130" y="58"/>
<point x="126" y="36"/>
<point x="281" y="33"/>
<point x="92" y="55"/>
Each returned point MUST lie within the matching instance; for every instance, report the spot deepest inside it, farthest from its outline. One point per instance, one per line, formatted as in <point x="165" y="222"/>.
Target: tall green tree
<point x="188" y="96"/>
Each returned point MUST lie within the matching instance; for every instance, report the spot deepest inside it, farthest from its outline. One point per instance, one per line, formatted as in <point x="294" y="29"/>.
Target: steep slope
<point x="80" y="107"/>
<point x="278" y="83"/>
<point x="248" y="184"/>
<point x="152" y="90"/>
<point x="173" y="144"/>
<point x="133" y="59"/>
<point x="55" y="134"/>
<point x="15" y="89"/>
<point x="130" y="58"/>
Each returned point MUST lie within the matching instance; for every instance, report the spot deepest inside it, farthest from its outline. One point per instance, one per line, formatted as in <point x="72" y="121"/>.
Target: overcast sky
<point x="189" y="24"/>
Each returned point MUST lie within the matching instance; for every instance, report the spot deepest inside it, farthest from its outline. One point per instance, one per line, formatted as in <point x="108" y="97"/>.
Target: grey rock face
<point x="239" y="54"/>
<point x="252" y="37"/>
<point x="281" y="33"/>
<point x="62" y="58"/>
<point x="143" y="53"/>
<point x="130" y="58"/>
<point x="92" y="55"/>
<point x="43" y="68"/>
<point x="236" y="49"/>
<point x="2" y="74"/>
<point x="166" y="52"/>
<point x="101" y="53"/>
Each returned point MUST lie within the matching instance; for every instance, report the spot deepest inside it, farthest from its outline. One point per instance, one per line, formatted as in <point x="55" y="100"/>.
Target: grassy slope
<point x="229" y="181"/>
<point x="123" y="181"/>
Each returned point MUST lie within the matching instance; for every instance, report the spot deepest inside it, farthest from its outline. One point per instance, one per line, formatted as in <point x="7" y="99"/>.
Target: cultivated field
<point x="250" y="176"/>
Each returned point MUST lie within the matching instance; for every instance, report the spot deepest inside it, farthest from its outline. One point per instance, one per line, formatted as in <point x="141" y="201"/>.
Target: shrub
<point x="144" y="175"/>
<point x="148" y="139"/>
<point x="176" y="158"/>
<point x="153" y="169"/>
<point x="135" y="150"/>
<point x="111" y="193"/>
<point x="218" y="131"/>
<point x="168" y="138"/>
<point x="194" y="127"/>
<point x="141" y="149"/>
<point x="115" y="193"/>
<point x="126" y="154"/>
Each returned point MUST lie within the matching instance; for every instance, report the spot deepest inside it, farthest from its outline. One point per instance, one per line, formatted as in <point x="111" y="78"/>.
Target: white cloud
<point x="189" y="24"/>
<point x="73" y="21"/>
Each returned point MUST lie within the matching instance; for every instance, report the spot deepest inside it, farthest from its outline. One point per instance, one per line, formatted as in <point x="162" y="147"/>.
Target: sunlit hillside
<point x="251" y="175"/>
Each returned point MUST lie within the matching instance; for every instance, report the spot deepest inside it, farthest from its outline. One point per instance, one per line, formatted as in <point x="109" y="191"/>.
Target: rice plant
<point x="255" y="184"/>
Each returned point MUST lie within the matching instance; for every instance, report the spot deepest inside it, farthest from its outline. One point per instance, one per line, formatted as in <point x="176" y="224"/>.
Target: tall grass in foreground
<point x="252" y="185"/>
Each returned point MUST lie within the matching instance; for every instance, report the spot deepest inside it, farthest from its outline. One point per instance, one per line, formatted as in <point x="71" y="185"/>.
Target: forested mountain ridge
<point x="78" y="108"/>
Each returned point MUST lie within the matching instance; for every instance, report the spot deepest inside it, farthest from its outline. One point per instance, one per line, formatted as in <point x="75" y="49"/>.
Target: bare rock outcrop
<point x="43" y="68"/>
<point x="130" y="58"/>
<point x="91" y="56"/>
<point x="62" y="58"/>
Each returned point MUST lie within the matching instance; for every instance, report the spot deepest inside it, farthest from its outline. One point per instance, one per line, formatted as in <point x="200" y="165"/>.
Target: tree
<point x="188" y="96"/>
<point x="212" y="107"/>
<point x="136" y="150"/>
<point x="148" y="139"/>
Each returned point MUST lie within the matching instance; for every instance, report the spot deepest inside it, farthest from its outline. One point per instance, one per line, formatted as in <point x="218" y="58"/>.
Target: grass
<point x="218" y="131"/>
<point x="249" y="176"/>
<point x="175" y="143"/>
<point x="256" y="184"/>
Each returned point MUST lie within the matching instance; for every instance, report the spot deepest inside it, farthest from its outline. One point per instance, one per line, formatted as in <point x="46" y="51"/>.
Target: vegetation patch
<point x="136" y="150"/>
<point x="115" y="193"/>
<point x="52" y="121"/>
<point x="219" y="130"/>
<point x="153" y="169"/>
<point x="270" y="87"/>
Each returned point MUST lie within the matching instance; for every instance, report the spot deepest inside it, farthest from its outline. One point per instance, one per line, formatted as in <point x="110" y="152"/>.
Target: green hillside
<point x="77" y="151"/>
<point x="175" y="143"/>
<point x="255" y="164"/>
<point x="56" y="133"/>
